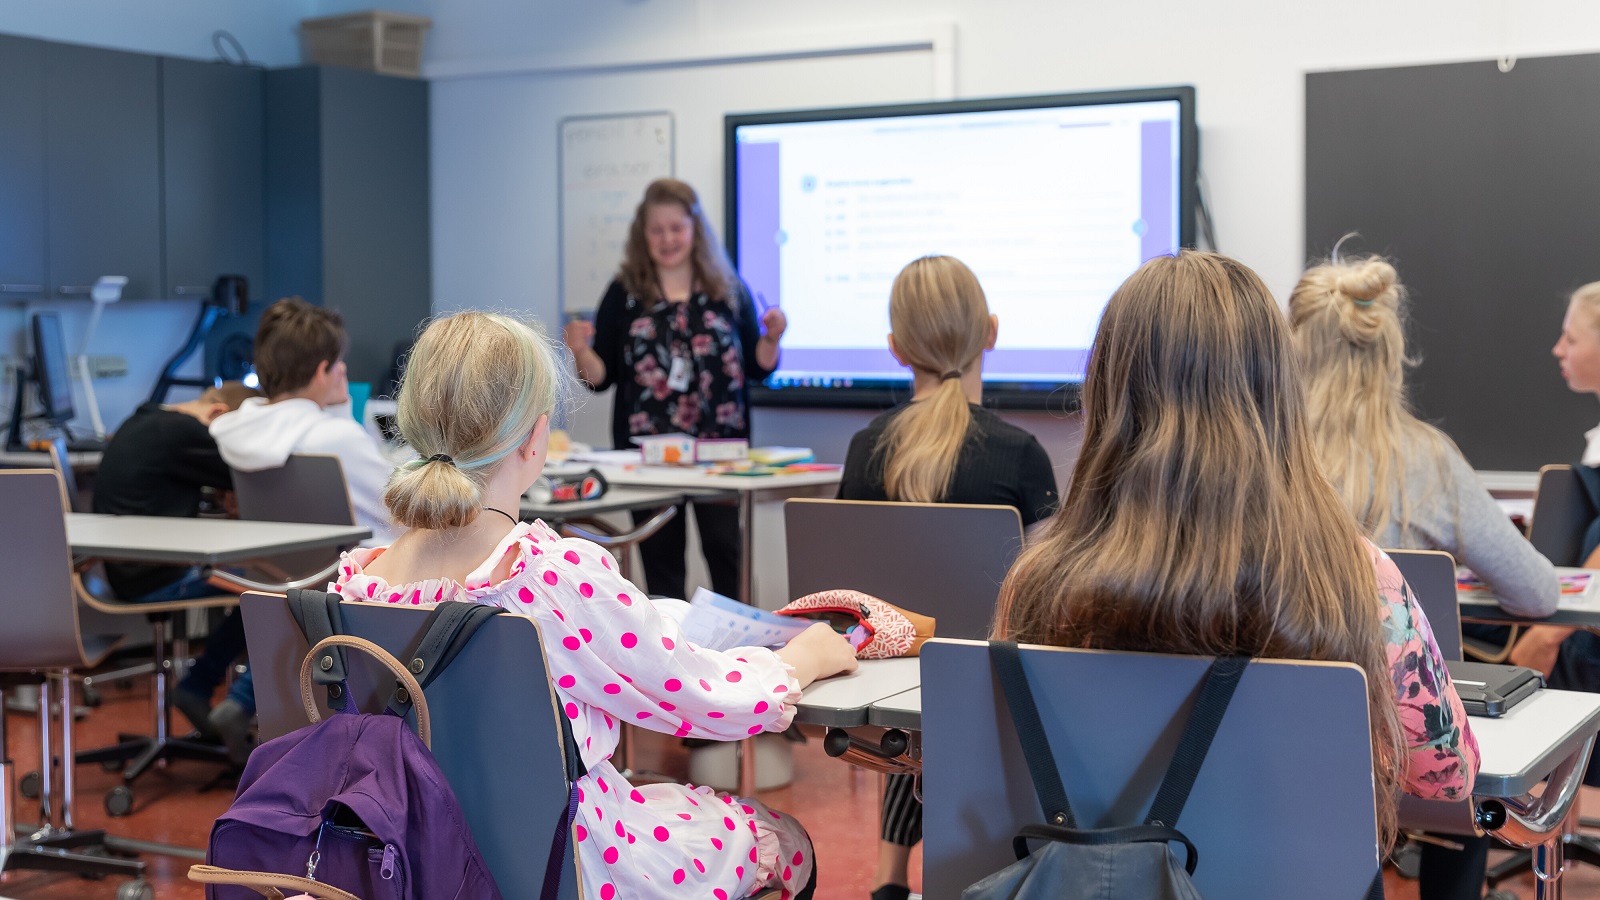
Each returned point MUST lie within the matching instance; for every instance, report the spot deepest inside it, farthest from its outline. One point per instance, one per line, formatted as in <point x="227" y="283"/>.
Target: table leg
<point x="747" y="594"/>
<point x="1549" y="862"/>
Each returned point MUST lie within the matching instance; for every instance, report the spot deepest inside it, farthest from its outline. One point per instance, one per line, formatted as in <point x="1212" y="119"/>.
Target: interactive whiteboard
<point x="606" y="162"/>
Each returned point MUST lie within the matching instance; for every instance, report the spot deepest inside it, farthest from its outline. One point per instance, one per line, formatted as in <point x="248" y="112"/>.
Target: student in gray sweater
<point x="1404" y="480"/>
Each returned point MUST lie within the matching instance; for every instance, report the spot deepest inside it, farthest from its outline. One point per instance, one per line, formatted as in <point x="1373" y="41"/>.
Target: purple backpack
<point x="354" y="805"/>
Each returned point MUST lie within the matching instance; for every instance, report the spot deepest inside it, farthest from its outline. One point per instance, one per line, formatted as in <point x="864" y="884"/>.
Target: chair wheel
<point x="119" y="802"/>
<point x="91" y="696"/>
<point x="111" y="765"/>
<point x="138" y="889"/>
<point x="30" y="784"/>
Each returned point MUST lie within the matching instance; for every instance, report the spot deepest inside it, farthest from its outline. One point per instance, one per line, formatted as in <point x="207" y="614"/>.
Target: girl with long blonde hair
<point x="941" y="447"/>
<point x="1198" y="522"/>
<point x="1403" y="479"/>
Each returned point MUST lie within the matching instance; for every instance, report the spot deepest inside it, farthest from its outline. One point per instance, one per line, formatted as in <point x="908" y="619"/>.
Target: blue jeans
<point x="243" y="691"/>
<point x="192" y="586"/>
<point x="225" y="644"/>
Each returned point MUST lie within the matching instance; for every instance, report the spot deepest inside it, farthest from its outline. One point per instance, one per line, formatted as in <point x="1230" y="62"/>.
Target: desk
<point x="617" y="498"/>
<point x="207" y="542"/>
<point x="845" y="701"/>
<point x="744" y="489"/>
<point x="84" y="461"/>
<point x="1482" y="609"/>
<point x="1510" y="484"/>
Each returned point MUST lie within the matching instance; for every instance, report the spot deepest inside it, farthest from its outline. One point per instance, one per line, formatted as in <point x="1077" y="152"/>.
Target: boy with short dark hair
<point x="299" y="358"/>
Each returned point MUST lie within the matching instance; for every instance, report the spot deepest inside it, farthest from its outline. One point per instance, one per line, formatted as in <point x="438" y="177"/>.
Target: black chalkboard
<point x="1484" y="188"/>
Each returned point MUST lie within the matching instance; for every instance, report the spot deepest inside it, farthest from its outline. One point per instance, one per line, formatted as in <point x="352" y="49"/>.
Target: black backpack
<point x="1129" y="862"/>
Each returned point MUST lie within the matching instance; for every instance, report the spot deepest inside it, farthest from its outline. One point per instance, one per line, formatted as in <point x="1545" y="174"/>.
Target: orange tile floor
<point x="838" y="802"/>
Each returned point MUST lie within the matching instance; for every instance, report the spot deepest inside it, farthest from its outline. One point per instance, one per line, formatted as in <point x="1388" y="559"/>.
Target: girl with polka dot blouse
<point x="475" y="406"/>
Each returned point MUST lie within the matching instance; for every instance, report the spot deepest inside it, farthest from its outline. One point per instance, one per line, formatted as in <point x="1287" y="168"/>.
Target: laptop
<point x="1488" y="690"/>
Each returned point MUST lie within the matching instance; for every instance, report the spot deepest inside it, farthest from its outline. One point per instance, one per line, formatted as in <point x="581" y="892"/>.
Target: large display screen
<point x="1052" y="201"/>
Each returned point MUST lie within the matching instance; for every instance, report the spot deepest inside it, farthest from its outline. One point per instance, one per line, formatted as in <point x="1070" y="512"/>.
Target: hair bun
<point x="1367" y="281"/>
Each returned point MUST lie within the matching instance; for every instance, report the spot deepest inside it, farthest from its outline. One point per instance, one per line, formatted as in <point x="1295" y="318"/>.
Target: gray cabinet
<point x="103" y="169"/>
<point x="348" y="204"/>
<point x="22" y="167"/>
<point x="212" y="156"/>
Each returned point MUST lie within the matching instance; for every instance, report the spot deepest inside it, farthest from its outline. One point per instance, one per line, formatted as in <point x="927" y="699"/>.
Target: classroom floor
<point x="169" y="809"/>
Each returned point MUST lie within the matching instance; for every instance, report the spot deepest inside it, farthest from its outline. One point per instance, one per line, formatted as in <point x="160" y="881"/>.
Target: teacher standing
<point x="679" y="336"/>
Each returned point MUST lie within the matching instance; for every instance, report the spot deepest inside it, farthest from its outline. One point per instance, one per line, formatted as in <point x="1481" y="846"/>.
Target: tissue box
<point x="667" y="449"/>
<point x="721" y="449"/>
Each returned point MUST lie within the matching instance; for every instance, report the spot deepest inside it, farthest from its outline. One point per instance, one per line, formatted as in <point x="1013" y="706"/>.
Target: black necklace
<point x="503" y="513"/>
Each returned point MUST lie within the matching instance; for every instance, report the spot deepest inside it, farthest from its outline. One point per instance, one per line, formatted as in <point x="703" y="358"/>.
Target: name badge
<point x="678" y="377"/>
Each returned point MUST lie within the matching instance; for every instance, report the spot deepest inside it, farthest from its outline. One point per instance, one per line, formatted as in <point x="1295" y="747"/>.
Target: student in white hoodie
<point x="299" y="356"/>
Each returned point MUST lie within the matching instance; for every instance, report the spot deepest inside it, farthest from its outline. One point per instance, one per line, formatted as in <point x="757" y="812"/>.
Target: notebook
<point x="1488" y="690"/>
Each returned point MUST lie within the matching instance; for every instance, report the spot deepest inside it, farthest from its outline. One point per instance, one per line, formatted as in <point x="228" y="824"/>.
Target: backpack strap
<point x="317" y="614"/>
<point x="558" y="847"/>
<point x="1047" y="784"/>
<point x="450" y="626"/>
<point x="1216" y="692"/>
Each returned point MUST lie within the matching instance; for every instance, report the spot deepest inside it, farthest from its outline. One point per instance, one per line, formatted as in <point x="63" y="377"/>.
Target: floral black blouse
<point x="711" y="342"/>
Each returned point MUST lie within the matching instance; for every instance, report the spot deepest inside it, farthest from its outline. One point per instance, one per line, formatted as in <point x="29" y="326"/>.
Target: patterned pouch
<point x="877" y="629"/>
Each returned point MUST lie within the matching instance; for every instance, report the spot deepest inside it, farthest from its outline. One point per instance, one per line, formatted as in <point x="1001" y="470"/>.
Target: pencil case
<point x="877" y="629"/>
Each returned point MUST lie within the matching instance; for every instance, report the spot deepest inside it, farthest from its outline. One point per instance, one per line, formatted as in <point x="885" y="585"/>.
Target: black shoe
<point x="232" y="724"/>
<point x="892" y="892"/>
<point x="196" y="709"/>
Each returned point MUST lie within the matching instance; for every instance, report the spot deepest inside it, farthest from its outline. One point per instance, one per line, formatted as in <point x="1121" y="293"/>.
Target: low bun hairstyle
<point x="473" y="390"/>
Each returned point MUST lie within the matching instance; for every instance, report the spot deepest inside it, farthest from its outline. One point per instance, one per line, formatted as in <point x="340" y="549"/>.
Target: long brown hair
<point x="1347" y="322"/>
<point x="712" y="271"/>
<point x="941" y="326"/>
<point x="1197" y="521"/>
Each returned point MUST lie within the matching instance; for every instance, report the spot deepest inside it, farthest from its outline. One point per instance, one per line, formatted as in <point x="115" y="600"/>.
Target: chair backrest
<point x="37" y="602"/>
<point x="309" y="488"/>
<point x="1561" y="514"/>
<point x="495" y="731"/>
<point x="61" y="461"/>
<point x="940" y="559"/>
<point x="1432" y="577"/>
<point x="1284" y="799"/>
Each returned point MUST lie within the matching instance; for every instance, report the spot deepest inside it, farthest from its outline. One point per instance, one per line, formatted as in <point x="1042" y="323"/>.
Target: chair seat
<point x="96" y="647"/>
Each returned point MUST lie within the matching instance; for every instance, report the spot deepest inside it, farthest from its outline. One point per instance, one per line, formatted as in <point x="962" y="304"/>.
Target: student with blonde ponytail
<point x="1198" y="522"/>
<point x="942" y="447"/>
<point x="475" y="403"/>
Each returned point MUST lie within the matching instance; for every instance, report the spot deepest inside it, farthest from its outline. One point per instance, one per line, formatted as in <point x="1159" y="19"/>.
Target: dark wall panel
<point x="1484" y="187"/>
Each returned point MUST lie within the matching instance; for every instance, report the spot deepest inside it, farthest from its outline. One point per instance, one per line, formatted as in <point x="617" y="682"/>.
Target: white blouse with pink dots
<point x="615" y="656"/>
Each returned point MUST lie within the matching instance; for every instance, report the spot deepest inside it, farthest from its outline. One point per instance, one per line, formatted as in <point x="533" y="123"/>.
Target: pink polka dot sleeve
<point x="610" y="648"/>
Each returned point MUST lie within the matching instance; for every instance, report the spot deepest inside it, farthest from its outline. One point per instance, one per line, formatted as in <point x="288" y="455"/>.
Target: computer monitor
<point x="52" y="368"/>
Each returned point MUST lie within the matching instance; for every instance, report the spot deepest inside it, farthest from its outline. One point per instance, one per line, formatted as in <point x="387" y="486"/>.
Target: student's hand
<point x="1538" y="647"/>
<point x="579" y="334"/>
<point x="818" y="652"/>
<point x="775" y="323"/>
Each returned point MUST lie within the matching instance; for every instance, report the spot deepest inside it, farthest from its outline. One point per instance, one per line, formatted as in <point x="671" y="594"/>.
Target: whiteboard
<point x="606" y="163"/>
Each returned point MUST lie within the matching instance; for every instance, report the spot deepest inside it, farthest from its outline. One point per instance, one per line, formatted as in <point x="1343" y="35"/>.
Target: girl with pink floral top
<point x="1199" y="522"/>
<point x="474" y="404"/>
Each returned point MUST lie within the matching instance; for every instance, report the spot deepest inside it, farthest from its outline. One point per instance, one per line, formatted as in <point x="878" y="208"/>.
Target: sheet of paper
<point x="719" y="623"/>
<point x="1580" y="589"/>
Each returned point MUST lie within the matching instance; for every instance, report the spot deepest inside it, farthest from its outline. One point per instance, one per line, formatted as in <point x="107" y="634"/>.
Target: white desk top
<point x="618" y="498"/>
<point x="900" y="711"/>
<point x="208" y="542"/>
<point x="843" y="702"/>
<point x="1520" y="748"/>
<point x="668" y="476"/>
<point x="1510" y="484"/>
